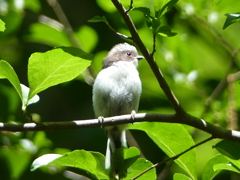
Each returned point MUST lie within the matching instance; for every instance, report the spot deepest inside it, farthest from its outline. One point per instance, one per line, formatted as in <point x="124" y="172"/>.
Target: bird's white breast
<point x="117" y="90"/>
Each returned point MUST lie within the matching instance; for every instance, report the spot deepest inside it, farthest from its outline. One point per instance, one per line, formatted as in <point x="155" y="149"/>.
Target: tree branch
<point x="215" y="131"/>
<point x="152" y="63"/>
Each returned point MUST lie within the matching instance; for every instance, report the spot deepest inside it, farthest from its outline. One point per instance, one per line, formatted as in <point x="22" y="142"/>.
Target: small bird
<point x="116" y="91"/>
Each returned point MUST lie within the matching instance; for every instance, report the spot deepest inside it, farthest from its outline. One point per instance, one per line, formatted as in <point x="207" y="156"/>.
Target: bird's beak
<point x="140" y="57"/>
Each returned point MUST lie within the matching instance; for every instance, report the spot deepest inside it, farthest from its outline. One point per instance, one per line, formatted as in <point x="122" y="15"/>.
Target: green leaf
<point x="123" y="158"/>
<point x="209" y="172"/>
<point x="163" y="6"/>
<point x="144" y="10"/>
<point x="11" y="153"/>
<point x="229" y="149"/>
<point x="166" y="31"/>
<point x="229" y="167"/>
<point x="44" y="160"/>
<point x="179" y="176"/>
<point x="7" y="72"/>
<point x="146" y="13"/>
<point x="2" y="25"/>
<point x="54" y="67"/>
<point x="216" y="2"/>
<point x="172" y="139"/>
<point x="231" y="18"/>
<point x="25" y="100"/>
<point x="98" y="19"/>
<point x="46" y="34"/>
<point x="138" y="167"/>
<point x="91" y="164"/>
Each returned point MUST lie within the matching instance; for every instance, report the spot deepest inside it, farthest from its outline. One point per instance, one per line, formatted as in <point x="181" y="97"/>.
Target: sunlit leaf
<point x="228" y="167"/>
<point x="209" y="172"/>
<point x="138" y="167"/>
<point x="87" y="37"/>
<point x="7" y="72"/>
<point x="25" y="94"/>
<point x="231" y="18"/>
<point x="90" y="164"/>
<point x="172" y="139"/>
<point x="54" y="67"/>
<point x="179" y="176"/>
<point x="44" y="160"/>
<point x="2" y="25"/>
<point x="52" y="35"/>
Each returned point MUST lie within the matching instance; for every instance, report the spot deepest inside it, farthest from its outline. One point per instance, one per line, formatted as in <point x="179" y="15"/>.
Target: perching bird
<point x="116" y="91"/>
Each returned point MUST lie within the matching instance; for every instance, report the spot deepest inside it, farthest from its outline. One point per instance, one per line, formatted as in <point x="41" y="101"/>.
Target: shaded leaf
<point x="231" y="18"/>
<point x="56" y="66"/>
<point x="172" y="139"/>
<point x="229" y="149"/>
<point x="209" y="172"/>
<point x="144" y="10"/>
<point x="99" y="19"/>
<point x="166" y="31"/>
<point x="123" y="158"/>
<point x="11" y="154"/>
<point x="163" y="6"/>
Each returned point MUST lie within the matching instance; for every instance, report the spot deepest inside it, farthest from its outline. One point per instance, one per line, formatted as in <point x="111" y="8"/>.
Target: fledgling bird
<point x="116" y="91"/>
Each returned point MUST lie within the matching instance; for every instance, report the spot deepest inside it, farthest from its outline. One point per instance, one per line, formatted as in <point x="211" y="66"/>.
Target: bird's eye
<point x="129" y="53"/>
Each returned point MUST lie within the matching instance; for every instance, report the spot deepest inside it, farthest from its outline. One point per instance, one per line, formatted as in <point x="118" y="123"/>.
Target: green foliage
<point x="91" y="164"/>
<point x="7" y="72"/>
<point x="123" y="158"/>
<point x="231" y="18"/>
<point x="172" y="143"/>
<point x="63" y="64"/>
<point x="179" y="176"/>
<point x="209" y="172"/>
<point x="2" y="25"/>
<point x="193" y="62"/>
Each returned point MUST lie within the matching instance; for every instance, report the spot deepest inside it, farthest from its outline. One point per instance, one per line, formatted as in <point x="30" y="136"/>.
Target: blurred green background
<point x="193" y="63"/>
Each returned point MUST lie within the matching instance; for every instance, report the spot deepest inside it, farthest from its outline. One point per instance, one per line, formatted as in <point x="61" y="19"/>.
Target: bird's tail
<point x="116" y="139"/>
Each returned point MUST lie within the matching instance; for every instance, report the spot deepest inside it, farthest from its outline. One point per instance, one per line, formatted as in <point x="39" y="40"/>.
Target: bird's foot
<point x="133" y="113"/>
<point x="101" y="120"/>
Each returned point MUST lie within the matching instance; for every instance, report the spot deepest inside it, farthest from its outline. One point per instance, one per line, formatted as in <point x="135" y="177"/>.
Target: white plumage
<point x="117" y="91"/>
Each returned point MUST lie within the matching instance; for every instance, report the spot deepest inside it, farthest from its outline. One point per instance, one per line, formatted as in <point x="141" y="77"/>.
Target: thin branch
<point x="154" y="45"/>
<point x="118" y="33"/>
<point x="172" y="158"/>
<point x="152" y="63"/>
<point x="63" y="19"/>
<point x="215" y="131"/>
<point x="130" y="6"/>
